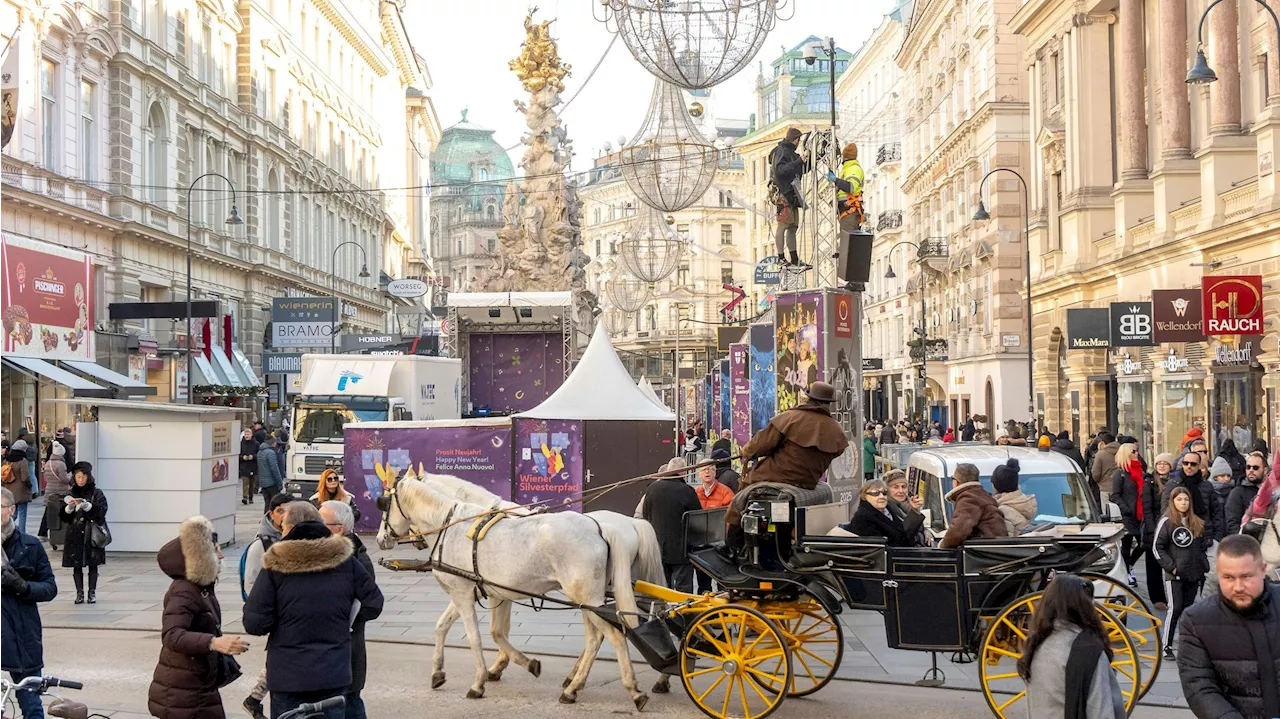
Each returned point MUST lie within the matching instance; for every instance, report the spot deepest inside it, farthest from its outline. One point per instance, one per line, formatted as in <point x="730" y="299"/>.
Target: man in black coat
<point x="341" y="521"/>
<point x="1064" y="446"/>
<point x="664" y="504"/>
<point x="968" y="430"/>
<point x="310" y="592"/>
<point x="725" y="473"/>
<point x="1229" y="652"/>
<point x="1238" y="503"/>
<point x="26" y="580"/>
<point x="788" y="166"/>
<point x="1205" y="502"/>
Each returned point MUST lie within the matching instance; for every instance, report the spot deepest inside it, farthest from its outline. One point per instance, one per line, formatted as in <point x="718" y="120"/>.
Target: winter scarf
<point x="1135" y="471"/>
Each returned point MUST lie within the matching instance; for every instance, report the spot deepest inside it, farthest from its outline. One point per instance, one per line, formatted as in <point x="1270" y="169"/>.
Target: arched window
<point x="484" y="174"/>
<point x="154" y="143"/>
<point x="490" y="212"/>
<point x="205" y="199"/>
<point x="273" y="236"/>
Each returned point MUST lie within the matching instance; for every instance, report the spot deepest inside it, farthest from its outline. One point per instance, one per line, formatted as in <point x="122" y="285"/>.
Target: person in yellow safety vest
<point x="849" y="188"/>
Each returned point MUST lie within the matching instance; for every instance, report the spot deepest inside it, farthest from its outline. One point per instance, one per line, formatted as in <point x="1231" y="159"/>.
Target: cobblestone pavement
<point x="132" y="588"/>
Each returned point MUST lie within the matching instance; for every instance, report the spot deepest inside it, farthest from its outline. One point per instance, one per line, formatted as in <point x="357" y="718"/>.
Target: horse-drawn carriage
<point x="772" y="630"/>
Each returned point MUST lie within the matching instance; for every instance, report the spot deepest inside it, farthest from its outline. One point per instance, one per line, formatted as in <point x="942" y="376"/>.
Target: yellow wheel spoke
<point x="771" y="678"/>
<point x="998" y="677"/>
<point x="1016" y="630"/>
<point x="756" y="688"/>
<point x="700" y="672"/>
<point x="807" y="670"/>
<point x="742" y="633"/>
<point x="728" y="694"/>
<point x="1005" y="652"/>
<point x="802" y="650"/>
<point x="755" y="660"/>
<point x="702" y="697"/>
<point x="701" y="653"/>
<point x="1015" y="698"/>
<point x="742" y="692"/>
<point x="724" y="648"/>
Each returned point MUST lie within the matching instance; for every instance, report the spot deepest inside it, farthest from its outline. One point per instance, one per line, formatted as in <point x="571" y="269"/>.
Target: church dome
<point x="468" y="153"/>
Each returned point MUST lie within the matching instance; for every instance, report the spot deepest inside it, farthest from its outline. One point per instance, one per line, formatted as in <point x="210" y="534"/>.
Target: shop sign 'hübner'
<point x="1232" y="305"/>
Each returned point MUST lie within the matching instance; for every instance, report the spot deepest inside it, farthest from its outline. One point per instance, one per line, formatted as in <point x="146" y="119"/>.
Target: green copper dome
<point x="468" y="153"/>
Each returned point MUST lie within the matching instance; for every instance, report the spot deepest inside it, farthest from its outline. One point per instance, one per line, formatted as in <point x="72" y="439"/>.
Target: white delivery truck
<point x="341" y="389"/>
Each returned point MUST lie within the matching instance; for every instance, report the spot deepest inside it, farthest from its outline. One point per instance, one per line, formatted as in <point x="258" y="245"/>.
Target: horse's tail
<point x="620" y="572"/>
<point x="648" y="554"/>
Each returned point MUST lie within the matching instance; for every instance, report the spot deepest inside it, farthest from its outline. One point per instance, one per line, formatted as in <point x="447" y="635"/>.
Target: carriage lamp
<point x="755" y="520"/>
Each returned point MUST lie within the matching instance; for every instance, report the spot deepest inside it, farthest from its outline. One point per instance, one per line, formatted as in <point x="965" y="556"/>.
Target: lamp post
<point x="828" y="47"/>
<point x="232" y="219"/>
<point x="982" y="214"/>
<point x="923" y="329"/>
<point x="1200" y="73"/>
<point x="333" y="285"/>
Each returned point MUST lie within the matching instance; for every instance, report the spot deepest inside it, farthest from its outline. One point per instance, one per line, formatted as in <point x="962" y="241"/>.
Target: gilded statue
<point x="539" y="63"/>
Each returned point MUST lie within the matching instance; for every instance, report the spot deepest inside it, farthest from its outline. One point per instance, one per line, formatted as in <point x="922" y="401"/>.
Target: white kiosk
<point x="159" y="464"/>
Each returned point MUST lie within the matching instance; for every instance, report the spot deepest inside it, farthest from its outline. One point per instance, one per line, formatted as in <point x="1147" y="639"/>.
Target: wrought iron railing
<point x="889" y="219"/>
<point x="889" y="152"/>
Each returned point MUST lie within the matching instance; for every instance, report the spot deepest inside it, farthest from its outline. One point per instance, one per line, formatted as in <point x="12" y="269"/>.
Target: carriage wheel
<point x="1138" y="618"/>
<point x="729" y="654"/>
<point x="1001" y="649"/>
<point x="815" y="638"/>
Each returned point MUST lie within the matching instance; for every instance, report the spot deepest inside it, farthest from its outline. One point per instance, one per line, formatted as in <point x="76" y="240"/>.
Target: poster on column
<point x="740" y="394"/>
<point x="762" y="377"/>
<point x="479" y="454"/>
<point x="798" y="346"/>
<point x="46" y="298"/>
<point x="726" y="396"/>
<point x="548" y="461"/>
<point x="708" y="400"/>
<point x="713" y="422"/>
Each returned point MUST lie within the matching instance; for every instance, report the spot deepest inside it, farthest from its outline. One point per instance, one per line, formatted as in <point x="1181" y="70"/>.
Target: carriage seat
<point x="798" y="496"/>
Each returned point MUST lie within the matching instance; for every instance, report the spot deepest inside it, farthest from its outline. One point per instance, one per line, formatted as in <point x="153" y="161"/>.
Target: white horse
<point x="640" y="544"/>
<point x="536" y="554"/>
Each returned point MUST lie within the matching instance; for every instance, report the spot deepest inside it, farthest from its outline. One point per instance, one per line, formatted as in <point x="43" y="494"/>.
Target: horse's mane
<point x="422" y="497"/>
<point x="457" y="487"/>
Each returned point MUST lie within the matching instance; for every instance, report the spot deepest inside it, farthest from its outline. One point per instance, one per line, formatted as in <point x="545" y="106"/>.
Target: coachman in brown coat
<point x="185" y="683"/>
<point x="797" y="446"/>
<point x="976" y="515"/>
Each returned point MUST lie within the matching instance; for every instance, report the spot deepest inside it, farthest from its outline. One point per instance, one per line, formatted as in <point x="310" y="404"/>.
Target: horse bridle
<point x="391" y="499"/>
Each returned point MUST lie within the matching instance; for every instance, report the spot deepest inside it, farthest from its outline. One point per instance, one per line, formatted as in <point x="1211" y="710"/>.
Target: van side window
<point x="926" y="483"/>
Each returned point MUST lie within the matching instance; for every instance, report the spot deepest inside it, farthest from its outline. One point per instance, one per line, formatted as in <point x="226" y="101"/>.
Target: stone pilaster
<point x="1132" y="92"/>
<point x="1176" y="177"/>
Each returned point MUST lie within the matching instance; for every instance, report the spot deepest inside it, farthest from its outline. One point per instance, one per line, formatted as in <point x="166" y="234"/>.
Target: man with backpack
<point x="788" y="167"/>
<point x="269" y="532"/>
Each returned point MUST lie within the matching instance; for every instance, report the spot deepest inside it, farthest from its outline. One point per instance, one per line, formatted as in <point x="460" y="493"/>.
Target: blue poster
<point x="761" y="374"/>
<point x="708" y="401"/>
<point x="726" y="390"/>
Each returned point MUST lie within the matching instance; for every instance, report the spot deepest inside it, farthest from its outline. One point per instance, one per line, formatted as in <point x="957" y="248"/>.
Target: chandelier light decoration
<point x="615" y="320"/>
<point x="692" y="44"/>
<point x="651" y="250"/>
<point x="668" y="165"/>
<point x="628" y="295"/>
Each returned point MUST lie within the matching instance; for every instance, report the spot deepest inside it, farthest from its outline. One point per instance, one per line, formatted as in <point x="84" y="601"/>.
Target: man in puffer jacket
<point x="1018" y="509"/>
<point x="1228" y="639"/>
<point x="976" y="515"/>
<point x="1204" y="500"/>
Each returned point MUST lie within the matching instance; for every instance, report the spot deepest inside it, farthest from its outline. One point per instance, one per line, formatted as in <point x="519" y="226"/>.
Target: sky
<point x="467" y="46"/>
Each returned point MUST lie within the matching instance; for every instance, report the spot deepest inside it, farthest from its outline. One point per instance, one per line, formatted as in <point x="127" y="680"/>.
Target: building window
<point x="484" y="174"/>
<point x="88" y="95"/>
<point x="459" y="248"/>
<point x="49" y="113"/>
<point x="597" y="248"/>
<point x="273" y="238"/>
<point x="155" y="155"/>
<point x="726" y="234"/>
<point x="682" y="275"/>
<point x="770" y="108"/>
<point x="269" y="110"/>
<point x="492" y="244"/>
<point x="206" y="54"/>
<point x="726" y="272"/>
<point x="490" y="212"/>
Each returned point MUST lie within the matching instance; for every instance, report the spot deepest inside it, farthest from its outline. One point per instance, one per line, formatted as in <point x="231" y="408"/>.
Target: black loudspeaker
<point x="854" y="262"/>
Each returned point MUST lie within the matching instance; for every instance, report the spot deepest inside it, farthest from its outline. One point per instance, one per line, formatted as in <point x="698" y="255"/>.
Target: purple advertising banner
<point x="713" y="422"/>
<point x="480" y="455"/>
<point x="726" y="396"/>
<point x="548" y="460"/>
<point x="798" y="346"/>
<point x="515" y="372"/>
<point x="740" y="394"/>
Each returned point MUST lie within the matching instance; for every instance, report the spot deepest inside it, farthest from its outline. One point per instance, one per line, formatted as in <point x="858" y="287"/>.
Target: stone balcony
<point x="889" y="221"/>
<point x="889" y="153"/>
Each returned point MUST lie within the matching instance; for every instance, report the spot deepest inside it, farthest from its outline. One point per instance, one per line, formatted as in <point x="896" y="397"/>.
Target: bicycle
<point x="306" y="711"/>
<point x="61" y="708"/>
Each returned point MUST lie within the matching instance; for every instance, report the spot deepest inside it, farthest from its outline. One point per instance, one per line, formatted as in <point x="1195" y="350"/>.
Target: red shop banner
<point x="1232" y="305"/>
<point x="46" y="301"/>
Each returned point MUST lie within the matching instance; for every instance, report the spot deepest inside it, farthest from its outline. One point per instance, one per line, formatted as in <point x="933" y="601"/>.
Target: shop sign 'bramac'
<point x="1131" y="324"/>
<point x="302" y="321"/>
<point x="1179" y="315"/>
<point x="1232" y="305"/>
<point x="1088" y="328"/>
<point x="46" y="300"/>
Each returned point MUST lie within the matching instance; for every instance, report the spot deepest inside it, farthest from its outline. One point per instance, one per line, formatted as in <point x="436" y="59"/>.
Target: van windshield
<point x="323" y="423"/>
<point x="1060" y="498"/>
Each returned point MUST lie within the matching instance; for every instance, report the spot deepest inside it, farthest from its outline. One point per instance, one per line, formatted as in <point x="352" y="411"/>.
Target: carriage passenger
<point x="873" y="518"/>
<point x="976" y="514"/>
<point x="905" y="506"/>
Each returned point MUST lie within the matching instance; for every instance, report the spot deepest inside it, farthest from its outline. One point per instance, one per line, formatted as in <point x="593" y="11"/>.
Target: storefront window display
<point x="1135" y="416"/>
<point x="1183" y="406"/>
<point x="1237" y="406"/>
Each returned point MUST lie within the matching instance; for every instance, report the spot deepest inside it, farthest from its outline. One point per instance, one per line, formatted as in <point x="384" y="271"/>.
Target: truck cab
<point x="342" y="389"/>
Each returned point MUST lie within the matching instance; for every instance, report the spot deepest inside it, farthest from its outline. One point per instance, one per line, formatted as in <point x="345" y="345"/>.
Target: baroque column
<point x="1132" y="99"/>
<point x="1175" y="110"/>
<point x="1224" y="51"/>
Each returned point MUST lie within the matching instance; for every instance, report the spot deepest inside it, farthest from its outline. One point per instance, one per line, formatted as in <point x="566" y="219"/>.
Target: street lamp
<point x="981" y="214"/>
<point x="889" y="274"/>
<point x="333" y="285"/>
<point x="1200" y="72"/>
<point x="828" y="47"/>
<point x="232" y="219"/>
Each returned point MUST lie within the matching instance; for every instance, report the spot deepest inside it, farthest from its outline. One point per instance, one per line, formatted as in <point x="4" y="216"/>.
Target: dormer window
<point x="484" y="174"/>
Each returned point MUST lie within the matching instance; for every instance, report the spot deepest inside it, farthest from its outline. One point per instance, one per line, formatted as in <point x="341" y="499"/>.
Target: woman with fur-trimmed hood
<point x="185" y="683"/>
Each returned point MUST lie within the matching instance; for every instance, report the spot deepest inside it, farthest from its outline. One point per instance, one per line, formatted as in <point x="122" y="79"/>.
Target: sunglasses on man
<point x="1253" y="466"/>
<point x="1191" y="464"/>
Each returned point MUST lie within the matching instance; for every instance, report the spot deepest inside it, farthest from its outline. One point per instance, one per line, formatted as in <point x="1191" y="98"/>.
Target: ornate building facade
<point x="125" y="104"/>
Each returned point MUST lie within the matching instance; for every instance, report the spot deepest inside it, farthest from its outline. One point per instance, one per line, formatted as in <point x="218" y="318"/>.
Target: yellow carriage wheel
<point x="729" y="654"/>
<point x="1143" y="625"/>
<point x="1001" y="649"/>
<point x="815" y="638"/>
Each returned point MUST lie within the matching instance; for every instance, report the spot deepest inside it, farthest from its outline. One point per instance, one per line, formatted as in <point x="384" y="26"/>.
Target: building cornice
<point x="353" y="35"/>
<point x="945" y="152"/>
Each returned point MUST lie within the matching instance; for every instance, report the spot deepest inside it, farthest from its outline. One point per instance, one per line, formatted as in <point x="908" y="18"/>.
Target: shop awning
<point x="127" y="386"/>
<point x="205" y="372"/>
<point x="79" y="386"/>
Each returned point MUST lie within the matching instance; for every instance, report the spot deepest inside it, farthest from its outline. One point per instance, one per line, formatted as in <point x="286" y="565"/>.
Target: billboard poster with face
<point x="548" y="460"/>
<point x="46" y="299"/>
<point x="798" y="346"/>
<point x="762" y="377"/>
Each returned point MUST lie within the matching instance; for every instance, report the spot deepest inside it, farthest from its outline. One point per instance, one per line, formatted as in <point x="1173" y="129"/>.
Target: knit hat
<point x="1005" y="477"/>
<point x="850" y="152"/>
<point x="58" y="450"/>
<point x="1219" y="467"/>
<point x="894" y="476"/>
<point x="1166" y="457"/>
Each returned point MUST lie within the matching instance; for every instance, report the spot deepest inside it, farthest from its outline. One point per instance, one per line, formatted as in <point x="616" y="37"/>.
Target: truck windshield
<point x="324" y="423"/>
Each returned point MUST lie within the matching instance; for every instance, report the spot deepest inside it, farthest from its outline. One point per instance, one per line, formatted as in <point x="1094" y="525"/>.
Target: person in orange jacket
<point x="711" y="493"/>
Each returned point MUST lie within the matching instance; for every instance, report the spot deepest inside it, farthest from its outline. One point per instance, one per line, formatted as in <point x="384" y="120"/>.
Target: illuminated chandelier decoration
<point x="668" y="164"/>
<point x="651" y="250"/>
<point x="692" y="44"/>
<point x="628" y="295"/>
<point x="615" y="320"/>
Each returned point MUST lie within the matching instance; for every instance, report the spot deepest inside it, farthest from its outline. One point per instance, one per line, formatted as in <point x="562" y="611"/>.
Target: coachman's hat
<point x="821" y="392"/>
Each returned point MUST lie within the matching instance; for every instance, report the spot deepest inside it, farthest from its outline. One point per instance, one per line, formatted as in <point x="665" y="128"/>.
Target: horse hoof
<point x="535" y="668"/>
<point x="641" y="701"/>
<point x="567" y="681"/>
<point x="474" y="694"/>
<point x="437" y="680"/>
<point x="495" y="676"/>
<point x="661" y="687"/>
<point x="566" y="699"/>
